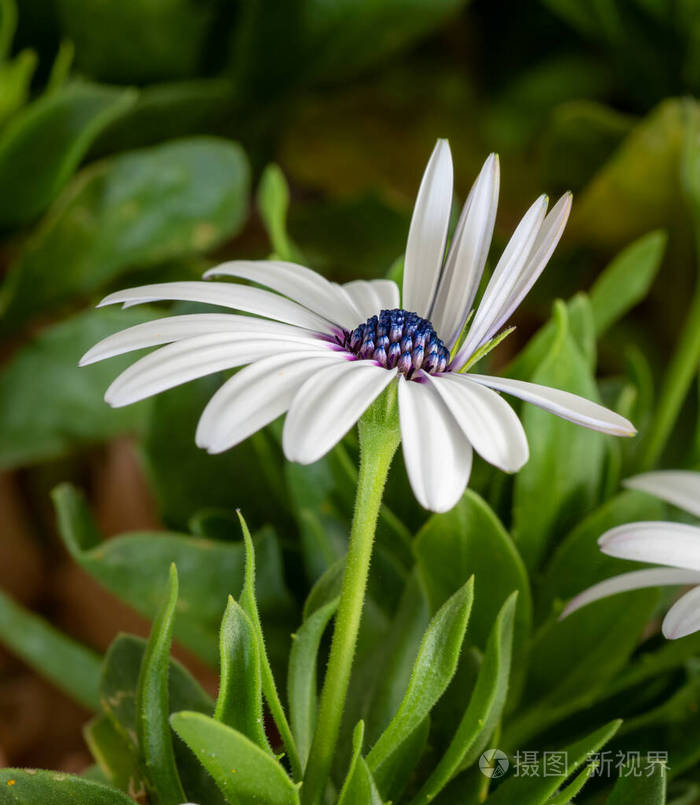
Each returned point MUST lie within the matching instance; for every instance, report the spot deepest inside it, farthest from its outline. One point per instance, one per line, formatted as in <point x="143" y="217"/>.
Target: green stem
<point x="682" y="368"/>
<point x="379" y="438"/>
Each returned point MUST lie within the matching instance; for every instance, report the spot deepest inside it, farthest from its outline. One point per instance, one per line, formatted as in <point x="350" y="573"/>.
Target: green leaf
<point x="566" y="795"/>
<point x="128" y="212"/>
<point x="118" y="693"/>
<point x="243" y="771"/>
<point x="133" y="566"/>
<point x="433" y="669"/>
<point x="117" y="758"/>
<point x="273" y="203"/>
<point x="637" y="786"/>
<point x="32" y="786"/>
<point x="484" y="710"/>
<point x="15" y="80"/>
<point x="250" y="606"/>
<point x="152" y="706"/>
<point x="536" y="789"/>
<point x="239" y="704"/>
<point x="72" y="117"/>
<point x="468" y="540"/>
<point x="626" y="281"/>
<point x="302" y="691"/>
<point x="563" y="476"/>
<point x="73" y="668"/>
<point x="359" y="788"/>
<point x="33" y="431"/>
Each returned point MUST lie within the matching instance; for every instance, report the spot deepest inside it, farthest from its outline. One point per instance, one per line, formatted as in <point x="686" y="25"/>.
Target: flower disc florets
<point x="397" y="338"/>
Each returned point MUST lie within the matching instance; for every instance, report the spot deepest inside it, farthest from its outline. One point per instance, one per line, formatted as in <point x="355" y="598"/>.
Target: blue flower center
<point x="399" y="338"/>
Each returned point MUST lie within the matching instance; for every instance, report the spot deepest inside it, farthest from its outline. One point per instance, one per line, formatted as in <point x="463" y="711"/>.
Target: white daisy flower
<point x="675" y="546"/>
<point x="323" y="352"/>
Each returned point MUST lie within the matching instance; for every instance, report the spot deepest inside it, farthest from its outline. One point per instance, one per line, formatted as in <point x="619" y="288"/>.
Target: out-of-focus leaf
<point x="153" y="705"/>
<point x="131" y="211"/>
<point x="273" y="205"/>
<point x="581" y="136"/>
<point x="55" y="133"/>
<point x="117" y="758"/>
<point x="137" y="41"/>
<point x="485" y="707"/>
<point x="563" y="476"/>
<point x="536" y="789"/>
<point x="16" y="74"/>
<point x="468" y="540"/>
<point x="118" y="694"/>
<point x="242" y="770"/>
<point x="29" y="786"/>
<point x="626" y="281"/>
<point x="359" y="788"/>
<point x="302" y="691"/>
<point x="74" y="668"/>
<point x="433" y="669"/>
<point x="60" y="68"/>
<point x="239" y="704"/>
<point x="639" y="786"/>
<point x="135" y="566"/>
<point x="47" y="366"/>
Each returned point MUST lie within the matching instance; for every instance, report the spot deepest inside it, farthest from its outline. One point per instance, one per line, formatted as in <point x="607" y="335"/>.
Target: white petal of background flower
<point x="297" y="282"/>
<point x="197" y="357"/>
<point x="328" y="405"/>
<point x="467" y="256"/>
<point x="226" y="294"/>
<point x="425" y="247"/>
<point x="504" y="277"/>
<point x="486" y="419"/>
<point x="636" y="580"/>
<point x="564" y="404"/>
<point x="256" y="396"/>
<point x="371" y="296"/>
<point x="684" y="616"/>
<point x="188" y="325"/>
<point x="659" y="543"/>
<point x="678" y="487"/>
<point x="436" y="452"/>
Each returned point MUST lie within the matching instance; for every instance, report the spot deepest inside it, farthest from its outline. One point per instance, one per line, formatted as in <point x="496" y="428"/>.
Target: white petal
<point x="504" y="277"/>
<point x="679" y="487"/>
<point x="564" y="404"/>
<point x="684" y="616"/>
<point x="659" y="543"/>
<point x="328" y="405"/>
<point x="371" y="296"/>
<point x="256" y="396"/>
<point x="488" y="422"/>
<point x="437" y="454"/>
<point x="299" y="283"/>
<point x="175" y="328"/>
<point x="196" y="357"/>
<point x="467" y="256"/>
<point x="636" y="580"/>
<point x="545" y="244"/>
<point x="425" y="246"/>
<point x="226" y="294"/>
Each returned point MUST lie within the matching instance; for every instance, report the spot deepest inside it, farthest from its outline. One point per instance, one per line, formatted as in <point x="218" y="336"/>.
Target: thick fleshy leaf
<point x="437" y="454"/>
<point x="239" y="704"/>
<point x="643" y="785"/>
<point x="678" y="487"/>
<point x="328" y="405"/>
<point x="117" y="758"/>
<point x="132" y="211"/>
<point x="427" y="236"/>
<point x="34" y="431"/>
<point x="72" y="667"/>
<point x="485" y="707"/>
<point x="74" y="116"/>
<point x="359" y="788"/>
<point x="242" y="770"/>
<point x="25" y="786"/>
<point x="301" y="679"/>
<point x="432" y="671"/>
<point x="153" y="706"/>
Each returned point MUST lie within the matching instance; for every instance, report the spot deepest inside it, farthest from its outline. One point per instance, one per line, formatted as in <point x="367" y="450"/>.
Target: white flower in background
<point x="323" y="352"/>
<point x="675" y="546"/>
